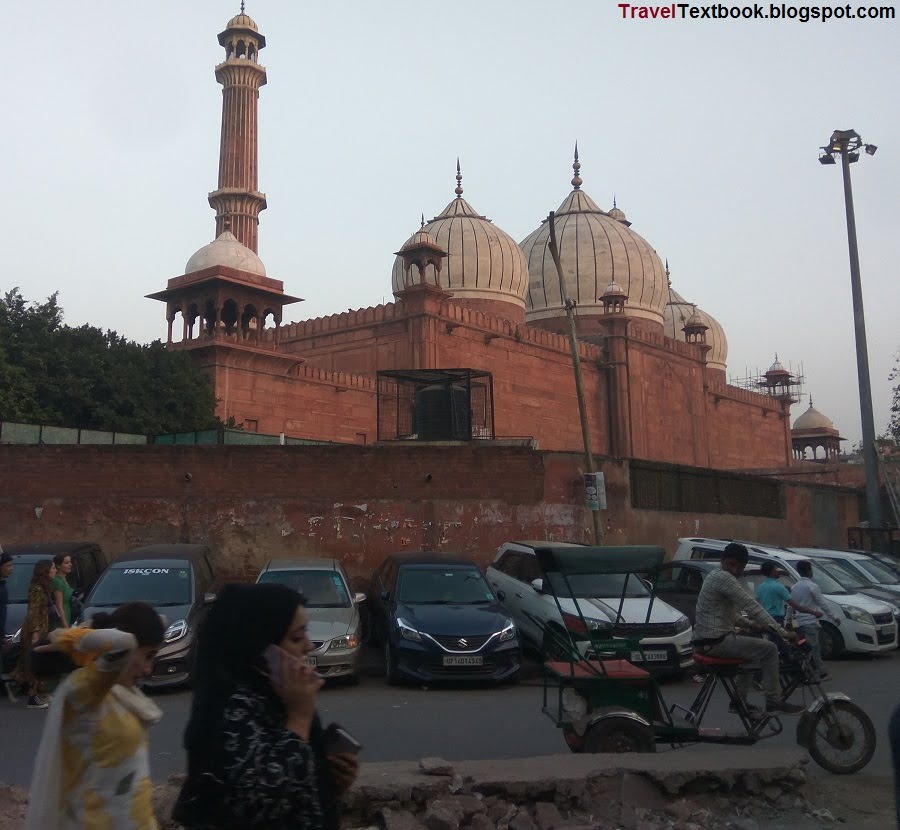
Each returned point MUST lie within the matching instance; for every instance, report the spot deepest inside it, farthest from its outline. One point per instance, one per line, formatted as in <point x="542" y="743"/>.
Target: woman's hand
<point x="297" y="690"/>
<point x="344" y="767"/>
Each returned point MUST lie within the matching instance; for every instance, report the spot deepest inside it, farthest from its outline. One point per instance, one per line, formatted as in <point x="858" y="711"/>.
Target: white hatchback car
<point x="864" y="566"/>
<point x="665" y="637"/>
<point x="867" y="625"/>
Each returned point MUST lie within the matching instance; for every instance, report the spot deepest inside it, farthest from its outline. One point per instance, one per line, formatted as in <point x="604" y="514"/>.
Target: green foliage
<point x="51" y="373"/>
<point x="894" y="423"/>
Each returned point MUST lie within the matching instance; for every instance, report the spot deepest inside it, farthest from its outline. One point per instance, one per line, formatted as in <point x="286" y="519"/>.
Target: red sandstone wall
<point x="359" y="503"/>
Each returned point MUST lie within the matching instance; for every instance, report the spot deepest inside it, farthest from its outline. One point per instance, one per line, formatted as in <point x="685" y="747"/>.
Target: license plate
<point x="637" y="656"/>
<point x="312" y="661"/>
<point x="888" y="629"/>
<point x="462" y="660"/>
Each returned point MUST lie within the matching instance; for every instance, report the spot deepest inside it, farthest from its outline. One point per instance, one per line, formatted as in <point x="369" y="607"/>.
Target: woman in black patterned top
<point x="253" y="739"/>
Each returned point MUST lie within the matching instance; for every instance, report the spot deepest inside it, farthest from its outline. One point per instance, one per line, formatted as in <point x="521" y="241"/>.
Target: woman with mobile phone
<point x="256" y="752"/>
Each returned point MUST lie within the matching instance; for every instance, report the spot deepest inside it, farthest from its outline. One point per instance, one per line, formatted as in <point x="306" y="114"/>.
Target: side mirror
<point x="538" y="585"/>
<point x="501" y="595"/>
<point x="385" y="596"/>
<point x="209" y="598"/>
<point x="359" y="597"/>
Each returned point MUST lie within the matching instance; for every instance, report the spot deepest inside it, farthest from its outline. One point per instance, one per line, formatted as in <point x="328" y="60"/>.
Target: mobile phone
<point x="276" y="658"/>
<point x="338" y="741"/>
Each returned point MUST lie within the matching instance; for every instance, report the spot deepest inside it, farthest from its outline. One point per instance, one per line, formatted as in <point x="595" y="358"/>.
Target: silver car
<point x="334" y="624"/>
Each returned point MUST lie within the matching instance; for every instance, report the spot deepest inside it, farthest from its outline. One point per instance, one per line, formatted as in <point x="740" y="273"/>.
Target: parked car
<point x="332" y="610"/>
<point x="437" y="618"/>
<point x="865" y="566"/>
<point x="88" y="562"/>
<point x="178" y="581"/>
<point x="867" y="625"/>
<point x="665" y="637"/>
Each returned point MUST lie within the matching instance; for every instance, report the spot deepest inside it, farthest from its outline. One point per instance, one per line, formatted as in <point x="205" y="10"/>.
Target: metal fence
<point x="692" y="490"/>
<point x="230" y="436"/>
<point x="15" y="433"/>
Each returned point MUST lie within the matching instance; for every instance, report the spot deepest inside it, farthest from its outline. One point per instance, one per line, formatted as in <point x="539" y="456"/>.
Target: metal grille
<point x="440" y="670"/>
<point x="692" y="490"/>
<point x="637" y="631"/>
<point x="471" y="643"/>
<point x="435" y="405"/>
<point x="884" y="639"/>
<point x="883" y="619"/>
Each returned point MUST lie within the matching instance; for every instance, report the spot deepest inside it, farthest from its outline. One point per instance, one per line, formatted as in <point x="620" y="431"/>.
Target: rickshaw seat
<point x="713" y="662"/>
<point x="616" y="669"/>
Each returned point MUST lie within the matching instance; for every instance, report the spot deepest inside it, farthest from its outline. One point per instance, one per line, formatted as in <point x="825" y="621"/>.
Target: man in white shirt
<point x="809" y="595"/>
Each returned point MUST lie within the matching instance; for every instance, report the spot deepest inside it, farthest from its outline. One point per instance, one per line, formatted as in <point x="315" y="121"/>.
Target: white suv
<point x="867" y="625"/>
<point x="665" y="637"/>
<point x="865" y="567"/>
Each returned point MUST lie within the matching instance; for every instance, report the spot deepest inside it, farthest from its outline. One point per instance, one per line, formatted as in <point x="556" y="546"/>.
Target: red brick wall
<point x="359" y="503"/>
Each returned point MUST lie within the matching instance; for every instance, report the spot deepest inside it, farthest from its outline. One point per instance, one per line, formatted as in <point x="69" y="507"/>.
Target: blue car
<point x="437" y="618"/>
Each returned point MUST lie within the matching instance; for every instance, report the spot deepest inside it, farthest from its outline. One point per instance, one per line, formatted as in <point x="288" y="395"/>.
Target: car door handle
<point x="519" y="595"/>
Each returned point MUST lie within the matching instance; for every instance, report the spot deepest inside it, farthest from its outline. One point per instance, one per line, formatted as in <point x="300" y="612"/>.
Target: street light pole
<point x="847" y="144"/>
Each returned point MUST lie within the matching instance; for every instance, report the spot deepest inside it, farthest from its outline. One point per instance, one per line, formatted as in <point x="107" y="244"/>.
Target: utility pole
<point x="576" y="367"/>
<point x="847" y="144"/>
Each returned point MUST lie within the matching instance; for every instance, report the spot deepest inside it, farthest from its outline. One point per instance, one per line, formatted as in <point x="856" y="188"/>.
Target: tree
<point x="894" y="423"/>
<point x="51" y="373"/>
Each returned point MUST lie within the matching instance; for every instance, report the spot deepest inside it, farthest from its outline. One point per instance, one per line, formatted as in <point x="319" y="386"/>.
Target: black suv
<point x="88" y="562"/>
<point x="438" y="618"/>
<point x="178" y="581"/>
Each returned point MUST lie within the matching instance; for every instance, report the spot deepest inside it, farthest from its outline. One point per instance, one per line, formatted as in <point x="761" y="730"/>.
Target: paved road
<point x="404" y="723"/>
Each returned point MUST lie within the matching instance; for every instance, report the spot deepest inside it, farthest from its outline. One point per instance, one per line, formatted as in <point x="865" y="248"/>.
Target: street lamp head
<point x="870" y="149"/>
<point x="844" y="139"/>
<point x="853" y="156"/>
<point x="827" y="158"/>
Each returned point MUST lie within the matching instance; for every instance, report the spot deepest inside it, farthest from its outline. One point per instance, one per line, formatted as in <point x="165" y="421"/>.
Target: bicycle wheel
<point x="842" y="737"/>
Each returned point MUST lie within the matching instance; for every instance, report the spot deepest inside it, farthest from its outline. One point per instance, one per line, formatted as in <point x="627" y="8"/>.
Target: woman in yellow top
<point x="92" y="769"/>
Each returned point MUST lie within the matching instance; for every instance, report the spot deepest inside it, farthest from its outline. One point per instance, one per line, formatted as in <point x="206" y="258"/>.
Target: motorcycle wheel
<point x="842" y="737"/>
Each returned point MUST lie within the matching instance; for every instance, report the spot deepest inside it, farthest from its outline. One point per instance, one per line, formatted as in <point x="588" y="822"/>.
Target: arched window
<point x="248" y="321"/>
<point x="251" y="53"/>
<point x="210" y="318"/>
<point x="190" y="319"/>
<point x="241" y="49"/>
<point x="230" y="316"/>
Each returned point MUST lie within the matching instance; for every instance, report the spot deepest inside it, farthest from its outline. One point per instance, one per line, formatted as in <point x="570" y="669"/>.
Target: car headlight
<point x="508" y="632"/>
<point x="851" y="612"/>
<point x="574" y="703"/>
<point x="176" y="631"/>
<point x="682" y="624"/>
<point x="407" y="632"/>
<point x="345" y="642"/>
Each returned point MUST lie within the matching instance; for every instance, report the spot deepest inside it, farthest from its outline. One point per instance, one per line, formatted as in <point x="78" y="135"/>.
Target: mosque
<point x="475" y="344"/>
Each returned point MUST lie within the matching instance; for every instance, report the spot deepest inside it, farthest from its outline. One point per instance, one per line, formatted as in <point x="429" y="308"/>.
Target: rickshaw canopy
<point x="581" y="559"/>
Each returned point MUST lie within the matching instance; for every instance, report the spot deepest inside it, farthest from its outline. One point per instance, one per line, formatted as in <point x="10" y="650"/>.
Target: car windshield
<point x="322" y="589"/>
<point x="891" y="564"/>
<point x="824" y="579"/>
<point x="443" y="586"/>
<point x="19" y="580"/>
<point x="843" y="574"/>
<point x="877" y="572"/>
<point x="604" y="586"/>
<point x="168" y="584"/>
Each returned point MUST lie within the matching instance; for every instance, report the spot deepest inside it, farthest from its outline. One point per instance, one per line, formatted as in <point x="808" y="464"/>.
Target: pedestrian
<point x="721" y="601"/>
<point x="36" y="625"/>
<point x="92" y="768"/>
<point x="61" y="592"/>
<point x="806" y="622"/>
<point x="774" y="596"/>
<point x="255" y="745"/>
<point x="6" y="644"/>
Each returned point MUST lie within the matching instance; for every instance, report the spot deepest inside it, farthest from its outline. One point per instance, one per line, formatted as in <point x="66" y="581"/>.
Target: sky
<point x="706" y="132"/>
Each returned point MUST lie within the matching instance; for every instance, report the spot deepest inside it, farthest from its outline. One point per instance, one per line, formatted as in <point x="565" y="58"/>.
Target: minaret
<point x="237" y="201"/>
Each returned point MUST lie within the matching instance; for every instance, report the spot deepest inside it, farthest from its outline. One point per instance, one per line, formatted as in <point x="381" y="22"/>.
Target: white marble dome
<point x="813" y="419"/>
<point x="595" y="249"/>
<point x="228" y="252"/>
<point x="483" y="262"/>
<point x="679" y="311"/>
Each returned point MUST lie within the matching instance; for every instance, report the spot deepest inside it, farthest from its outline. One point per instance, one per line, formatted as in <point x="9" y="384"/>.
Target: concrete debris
<point x="435" y="766"/>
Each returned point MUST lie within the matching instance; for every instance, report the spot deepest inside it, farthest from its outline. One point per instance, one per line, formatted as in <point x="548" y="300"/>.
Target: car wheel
<point x="390" y="665"/>
<point x="831" y="642"/>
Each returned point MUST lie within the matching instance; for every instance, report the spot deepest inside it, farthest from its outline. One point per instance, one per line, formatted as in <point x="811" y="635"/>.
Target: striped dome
<point x="595" y="250"/>
<point x="483" y="262"/>
<point x="679" y="311"/>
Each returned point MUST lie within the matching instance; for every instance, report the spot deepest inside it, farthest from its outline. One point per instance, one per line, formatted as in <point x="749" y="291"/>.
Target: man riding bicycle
<point x="721" y="602"/>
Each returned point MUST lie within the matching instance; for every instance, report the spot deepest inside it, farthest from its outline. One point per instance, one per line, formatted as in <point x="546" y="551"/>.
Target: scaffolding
<point x="778" y="381"/>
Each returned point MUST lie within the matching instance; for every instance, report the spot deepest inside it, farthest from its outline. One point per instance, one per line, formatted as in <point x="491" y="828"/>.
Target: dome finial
<point x="614" y="201"/>
<point x="576" y="166"/>
<point x="668" y="277"/>
<point x="810" y="402"/>
<point x="242" y="6"/>
<point x="459" y="188"/>
<point x="423" y="222"/>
